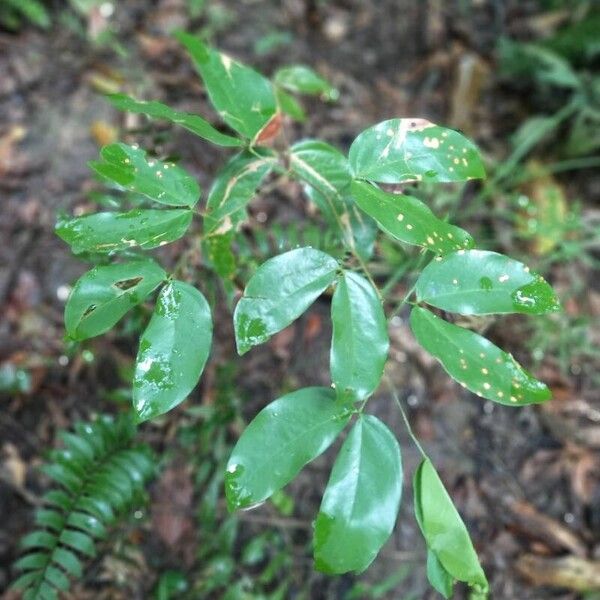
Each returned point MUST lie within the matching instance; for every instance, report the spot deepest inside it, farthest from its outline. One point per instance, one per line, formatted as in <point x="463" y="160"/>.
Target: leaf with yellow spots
<point x="478" y="282"/>
<point x="409" y="220"/>
<point x="108" y="232"/>
<point x="400" y="150"/>
<point x="163" y="182"/>
<point x="475" y="362"/>
<point x="244" y="99"/>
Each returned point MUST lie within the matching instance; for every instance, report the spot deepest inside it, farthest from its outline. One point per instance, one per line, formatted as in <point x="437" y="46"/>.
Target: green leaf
<point x="68" y="561"/>
<point x="108" y="232"/>
<point x="244" y="98"/>
<point x="360" y="341"/>
<point x="173" y="350"/>
<point x="304" y="80"/>
<point x="409" y="220"/>
<point x="326" y="174"/>
<point x="321" y="166"/>
<point x="290" y="106"/>
<point x="438" y="577"/>
<point x="191" y="122"/>
<point x="443" y="529"/>
<point x="162" y="182"/>
<point x="402" y="150"/>
<point x="361" y="501"/>
<point x="79" y="541"/>
<point x="478" y="282"/>
<point x="279" y="292"/>
<point x="282" y="438"/>
<point x="233" y="188"/>
<point x="475" y="362"/>
<point x="103" y="295"/>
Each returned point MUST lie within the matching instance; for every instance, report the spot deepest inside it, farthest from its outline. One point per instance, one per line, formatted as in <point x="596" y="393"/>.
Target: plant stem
<point x="396" y="398"/>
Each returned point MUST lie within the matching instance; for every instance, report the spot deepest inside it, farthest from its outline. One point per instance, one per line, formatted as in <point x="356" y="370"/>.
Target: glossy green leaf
<point x="438" y="577"/>
<point x="409" y="220"/>
<point x="191" y="122"/>
<point x="290" y="106"/>
<point x="326" y="174"/>
<point x="233" y="188"/>
<point x="108" y="232"/>
<point x="304" y="80"/>
<point x="443" y="529"/>
<point x="400" y="150"/>
<point x="173" y="350"/>
<point x="478" y="282"/>
<point x="475" y="362"/>
<point x="282" y="438"/>
<point x="360" y="341"/>
<point x="244" y="98"/>
<point x="103" y="295"/>
<point x="321" y="166"/>
<point x="279" y="292"/>
<point x="162" y="182"/>
<point x="79" y="541"/>
<point x="361" y="501"/>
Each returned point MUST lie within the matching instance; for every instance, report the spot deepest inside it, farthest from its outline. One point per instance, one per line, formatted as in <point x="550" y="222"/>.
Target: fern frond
<point x="101" y="472"/>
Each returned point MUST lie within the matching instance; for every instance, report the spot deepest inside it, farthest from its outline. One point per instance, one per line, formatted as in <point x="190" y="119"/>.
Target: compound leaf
<point x="162" y="182"/>
<point x="360" y="340"/>
<point x="157" y="110"/>
<point x="301" y="79"/>
<point x="108" y="232"/>
<point x="173" y="350"/>
<point x="400" y="150"/>
<point x="244" y="99"/>
<point x="279" y="292"/>
<point x="475" y="362"/>
<point x="282" y="438"/>
<point x="353" y="521"/>
<point x="409" y="220"/>
<point x="478" y="282"/>
<point x="443" y="529"/>
<point x="105" y="293"/>
<point x="233" y="188"/>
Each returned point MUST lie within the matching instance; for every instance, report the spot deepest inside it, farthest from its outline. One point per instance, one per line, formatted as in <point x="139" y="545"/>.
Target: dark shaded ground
<point x="527" y="481"/>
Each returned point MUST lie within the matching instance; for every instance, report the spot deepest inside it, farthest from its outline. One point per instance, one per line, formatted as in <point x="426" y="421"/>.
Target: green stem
<point x="411" y="433"/>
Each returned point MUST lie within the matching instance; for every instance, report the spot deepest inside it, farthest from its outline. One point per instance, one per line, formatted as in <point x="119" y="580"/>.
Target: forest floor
<point x="526" y="481"/>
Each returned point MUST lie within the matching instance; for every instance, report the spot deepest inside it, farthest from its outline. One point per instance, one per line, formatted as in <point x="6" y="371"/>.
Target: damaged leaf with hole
<point x="103" y="295"/>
